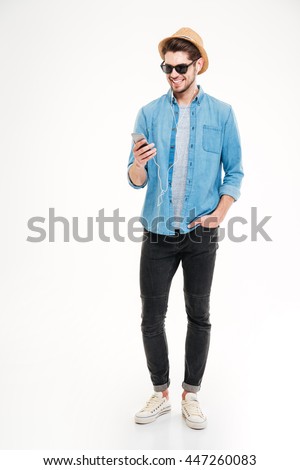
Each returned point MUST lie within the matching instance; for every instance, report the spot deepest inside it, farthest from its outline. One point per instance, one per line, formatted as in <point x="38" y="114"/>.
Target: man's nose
<point x="174" y="74"/>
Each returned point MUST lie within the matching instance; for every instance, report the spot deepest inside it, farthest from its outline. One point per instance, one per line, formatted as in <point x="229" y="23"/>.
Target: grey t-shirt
<point x="181" y="162"/>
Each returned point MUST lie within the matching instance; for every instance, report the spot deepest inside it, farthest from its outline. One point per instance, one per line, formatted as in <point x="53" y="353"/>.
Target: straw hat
<point x="189" y="35"/>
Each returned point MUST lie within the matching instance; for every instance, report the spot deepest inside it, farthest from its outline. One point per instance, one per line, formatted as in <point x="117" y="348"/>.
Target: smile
<point x="178" y="80"/>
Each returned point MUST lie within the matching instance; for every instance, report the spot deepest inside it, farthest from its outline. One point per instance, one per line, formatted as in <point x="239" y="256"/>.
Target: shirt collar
<point x="197" y="98"/>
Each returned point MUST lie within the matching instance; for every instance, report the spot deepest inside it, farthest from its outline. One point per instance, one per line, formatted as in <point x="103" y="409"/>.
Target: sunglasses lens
<point x="181" y="68"/>
<point x="167" y="68"/>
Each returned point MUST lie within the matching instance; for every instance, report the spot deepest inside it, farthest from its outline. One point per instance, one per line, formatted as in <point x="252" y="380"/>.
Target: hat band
<point x="187" y="37"/>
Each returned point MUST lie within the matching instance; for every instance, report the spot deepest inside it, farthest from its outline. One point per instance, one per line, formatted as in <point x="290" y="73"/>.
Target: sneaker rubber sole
<point x="150" y="419"/>
<point x="195" y="424"/>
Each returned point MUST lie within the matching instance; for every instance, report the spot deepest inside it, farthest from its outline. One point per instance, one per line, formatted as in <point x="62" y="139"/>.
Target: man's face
<point x="181" y="83"/>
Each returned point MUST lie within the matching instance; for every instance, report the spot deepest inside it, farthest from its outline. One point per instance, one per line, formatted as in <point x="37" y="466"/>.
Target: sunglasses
<point x="180" y="68"/>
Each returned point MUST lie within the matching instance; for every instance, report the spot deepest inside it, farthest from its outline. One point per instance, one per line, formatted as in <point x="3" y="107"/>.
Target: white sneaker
<point x="192" y="413"/>
<point x="156" y="406"/>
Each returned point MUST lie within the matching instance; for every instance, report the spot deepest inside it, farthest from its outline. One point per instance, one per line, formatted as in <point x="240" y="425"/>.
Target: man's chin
<point x="178" y="89"/>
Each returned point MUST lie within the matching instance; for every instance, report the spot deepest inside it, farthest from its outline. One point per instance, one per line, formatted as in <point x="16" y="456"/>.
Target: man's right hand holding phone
<point x="142" y="152"/>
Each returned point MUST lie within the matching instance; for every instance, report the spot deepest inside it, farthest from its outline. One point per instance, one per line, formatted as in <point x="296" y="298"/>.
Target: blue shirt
<point x="214" y="145"/>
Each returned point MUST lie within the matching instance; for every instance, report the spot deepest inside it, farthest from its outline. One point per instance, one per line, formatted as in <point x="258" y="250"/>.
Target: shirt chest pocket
<point x="212" y="139"/>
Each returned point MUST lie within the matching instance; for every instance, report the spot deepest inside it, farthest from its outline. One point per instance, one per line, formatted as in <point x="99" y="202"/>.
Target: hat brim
<point x="199" y="47"/>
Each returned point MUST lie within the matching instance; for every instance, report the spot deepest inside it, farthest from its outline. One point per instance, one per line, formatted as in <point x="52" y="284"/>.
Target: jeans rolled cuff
<point x="191" y="388"/>
<point x="161" y="388"/>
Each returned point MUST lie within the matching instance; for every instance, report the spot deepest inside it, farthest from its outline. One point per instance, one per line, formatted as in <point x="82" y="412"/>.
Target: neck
<point x="187" y="96"/>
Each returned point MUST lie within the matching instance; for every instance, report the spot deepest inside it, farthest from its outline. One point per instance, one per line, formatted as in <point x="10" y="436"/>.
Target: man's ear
<point x="199" y="64"/>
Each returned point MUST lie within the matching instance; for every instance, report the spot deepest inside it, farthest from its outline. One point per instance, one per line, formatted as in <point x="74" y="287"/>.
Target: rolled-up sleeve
<point x="231" y="158"/>
<point x="140" y="127"/>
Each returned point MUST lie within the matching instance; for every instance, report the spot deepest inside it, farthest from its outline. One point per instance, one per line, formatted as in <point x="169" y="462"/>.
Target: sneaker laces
<point x="152" y="403"/>
<point x="193" y="408"/>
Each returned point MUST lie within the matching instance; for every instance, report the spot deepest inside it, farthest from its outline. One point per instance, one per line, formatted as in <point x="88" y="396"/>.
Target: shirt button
<point x="192" y="113"/>
<point x="192" y="145"/>
<point x="174" y="129"/>
<point x="193" y="128"/>
<point x="170" y="200"/>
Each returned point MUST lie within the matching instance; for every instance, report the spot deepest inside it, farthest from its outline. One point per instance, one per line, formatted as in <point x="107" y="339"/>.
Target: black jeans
<point x="160" y="258"/>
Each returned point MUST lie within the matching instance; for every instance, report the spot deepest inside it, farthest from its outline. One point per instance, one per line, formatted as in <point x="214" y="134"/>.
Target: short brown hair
<point x="178" y="44"/>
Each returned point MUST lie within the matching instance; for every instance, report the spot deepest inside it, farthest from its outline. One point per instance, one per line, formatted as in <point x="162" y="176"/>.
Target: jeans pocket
<point x="208" y="229"/>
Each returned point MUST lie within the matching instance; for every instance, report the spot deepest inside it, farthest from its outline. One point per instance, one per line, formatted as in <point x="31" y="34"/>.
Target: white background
<point x="72" y="365"/>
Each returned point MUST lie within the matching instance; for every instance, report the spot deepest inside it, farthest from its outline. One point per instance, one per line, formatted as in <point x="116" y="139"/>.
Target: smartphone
<point x="137" y="137"/>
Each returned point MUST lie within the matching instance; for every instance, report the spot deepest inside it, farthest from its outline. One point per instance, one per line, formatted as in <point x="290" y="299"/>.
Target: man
<point x="190" y="137"/>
